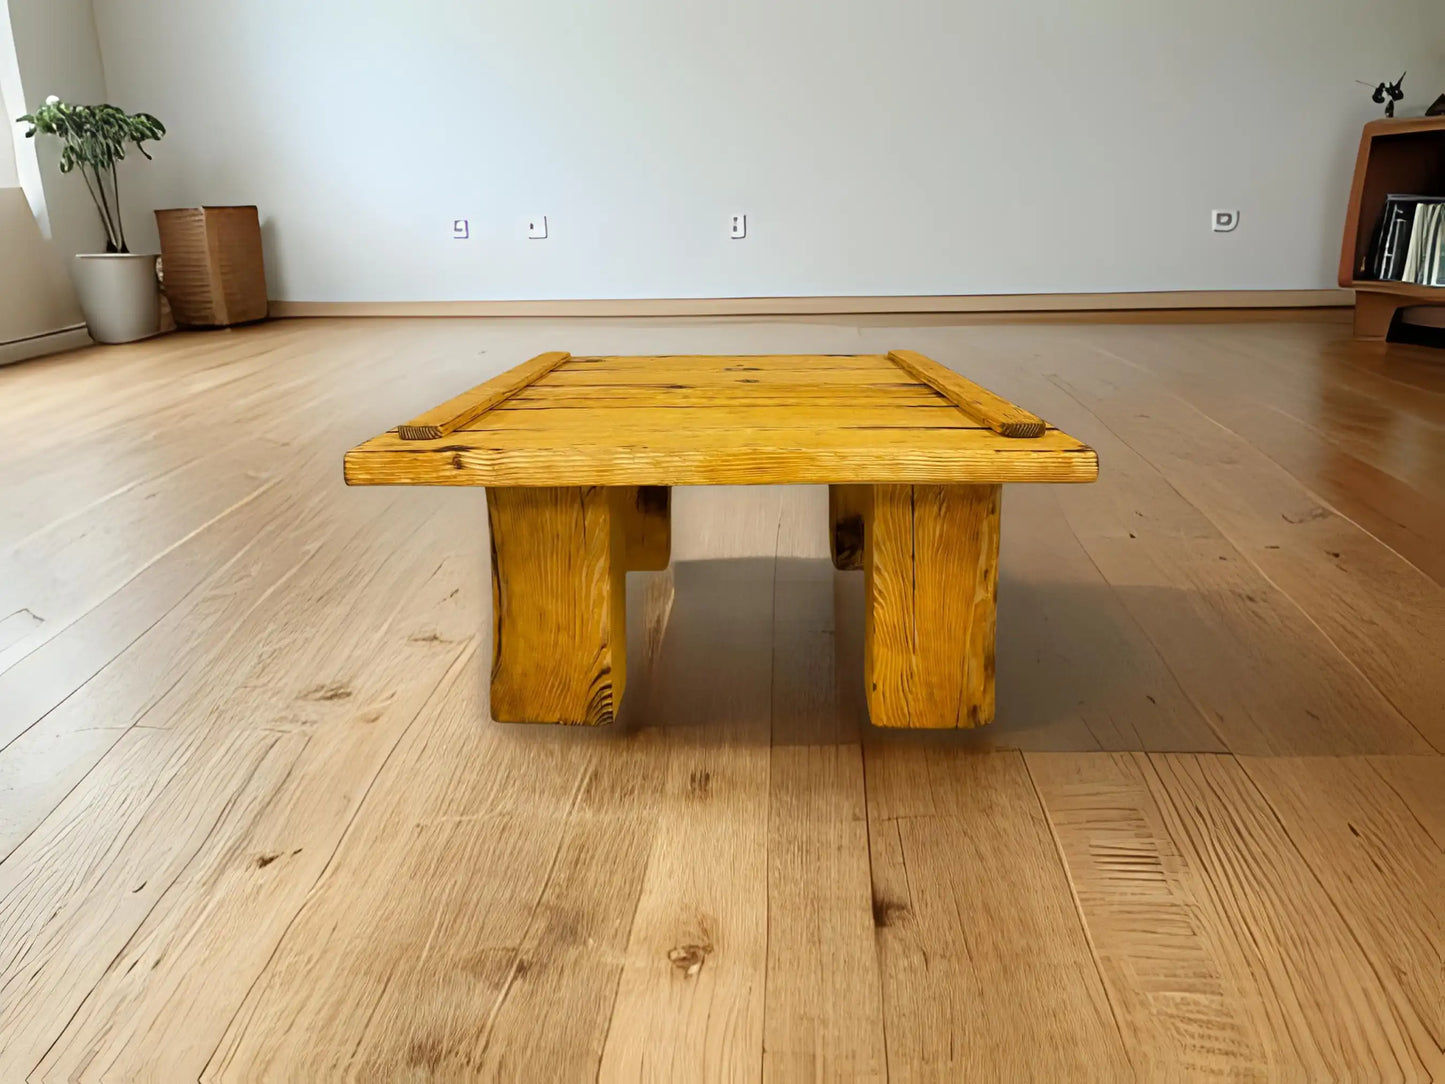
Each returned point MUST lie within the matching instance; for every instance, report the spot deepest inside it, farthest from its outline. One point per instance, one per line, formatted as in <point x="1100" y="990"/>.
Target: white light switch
<point x="1223" y="221"/>
<point x="739" y="228"/>
<point x="537" y="227"/>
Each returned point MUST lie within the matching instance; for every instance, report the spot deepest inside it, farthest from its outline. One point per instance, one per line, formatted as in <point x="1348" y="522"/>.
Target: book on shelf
<point x="1409" y="241"/>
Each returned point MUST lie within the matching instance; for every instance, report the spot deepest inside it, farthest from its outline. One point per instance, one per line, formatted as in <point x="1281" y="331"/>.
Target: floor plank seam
<point x="138" y="571"/>
<point x="584" y="776"/>
<point x="140" y="723"/>
<point x="1079" y="911"/>
<point x="1304" y="484"/>
<point x="1250" y="562"/>
<point x="1408" y="806"/>
<point x="1344" y="919"/>
<point x="220" y="817"/>
<point x="448" y="675"/>
<point x="1145" y="634"/>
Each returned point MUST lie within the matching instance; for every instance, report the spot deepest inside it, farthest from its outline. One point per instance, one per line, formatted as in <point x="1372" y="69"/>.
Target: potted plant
<point x="118" y="290"/>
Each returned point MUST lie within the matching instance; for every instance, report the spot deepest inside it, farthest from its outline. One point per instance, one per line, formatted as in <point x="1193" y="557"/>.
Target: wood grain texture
<point x="1375" y="315"/>
<point x="723" y="420"/>
<point x="255" y="823"/>
<point x="1390" y="622"/>
<point x="824" y="995"/>
<point x="467" y="407"/>
<point x="1382" y="870"/>
<point x="645" y="513"/>
<point x="847" y="515"/>
<point x="992" y="410"/>
<point x="689" y="1003"/>
<point x="1224" y="956"/>
<point x="930" y="556"/>
<point x="1420" y="784"/>
<point x="1076" y="671"/>
<point x="957" y="841"/>
<point x="559" y="623"/>
<point x="777" y="456"/>
<point x="1212" y="614"/>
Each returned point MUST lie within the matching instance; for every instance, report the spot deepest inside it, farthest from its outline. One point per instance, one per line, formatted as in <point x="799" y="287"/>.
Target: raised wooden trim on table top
<point x="1000" y="415"/>
<point x="994" y="411"/>
<point x="471" y="405"/>
<point x="560" y="420"/>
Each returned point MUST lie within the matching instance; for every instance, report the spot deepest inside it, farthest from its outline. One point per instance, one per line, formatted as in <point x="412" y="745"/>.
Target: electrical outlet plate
<point x="739" y="227"/>
<point x="537" y="227"/>
<point x="1223" y="221"/>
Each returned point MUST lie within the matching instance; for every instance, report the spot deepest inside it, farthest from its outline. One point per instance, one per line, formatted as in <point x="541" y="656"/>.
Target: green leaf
<point x="93" y="137"/>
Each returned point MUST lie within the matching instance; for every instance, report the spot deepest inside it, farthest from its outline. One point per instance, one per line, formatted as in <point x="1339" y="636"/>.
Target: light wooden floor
<point x="255" y="823"/>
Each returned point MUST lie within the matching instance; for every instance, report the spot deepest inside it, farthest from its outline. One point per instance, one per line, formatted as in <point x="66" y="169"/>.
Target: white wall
<point x="9" y="173"/>
<point x="36" y="298"/>
<point x="58" y="53"/>
<point x="878" y="146"/>
<point x="38" y="310"/>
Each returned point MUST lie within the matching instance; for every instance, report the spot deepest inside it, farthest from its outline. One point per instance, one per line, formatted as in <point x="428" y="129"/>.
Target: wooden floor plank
<point x="251" y="630"/>
<point x="1387" y="422"/>
<point x="1385" y="616"/>
<point x="475" y="836"/>
<point x="1420" y="783"/>
<point x="314" y="857"/>
<point x="74" y="893"/>
<point x="61" y="575"/>
<point x="1223" y="955"/>
<point x="824" y="1010"/>
<point x="527" y="968"/>
<point x="1216" y="620"/>
<point x="167" y="998"/>
<point x="1380" y="868"/>
<point x="690" y="1000"/>
<point x="1351" y="453"/>
<point x="958" y="841"/>
<point x="1075" y="668"/>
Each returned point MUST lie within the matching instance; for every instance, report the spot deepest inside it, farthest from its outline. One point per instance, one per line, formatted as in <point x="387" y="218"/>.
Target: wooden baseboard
<point x="824" y="306"/>
<point x="52" y="342"/>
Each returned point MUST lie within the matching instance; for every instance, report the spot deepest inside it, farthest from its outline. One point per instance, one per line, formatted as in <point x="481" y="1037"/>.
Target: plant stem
<point x="105" y="212"/>
<point x="119" y="217"/>
<point x="95" y="198"/>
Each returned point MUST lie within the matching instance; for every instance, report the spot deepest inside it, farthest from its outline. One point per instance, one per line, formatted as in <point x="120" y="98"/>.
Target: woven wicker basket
<point x="212" y="266"/>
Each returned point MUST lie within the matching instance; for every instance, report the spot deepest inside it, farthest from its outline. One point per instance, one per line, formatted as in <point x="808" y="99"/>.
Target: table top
<point x="559" y="420"/>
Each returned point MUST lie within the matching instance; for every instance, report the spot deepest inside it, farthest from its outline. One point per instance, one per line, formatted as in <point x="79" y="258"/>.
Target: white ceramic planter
<point x="119" y="294"/>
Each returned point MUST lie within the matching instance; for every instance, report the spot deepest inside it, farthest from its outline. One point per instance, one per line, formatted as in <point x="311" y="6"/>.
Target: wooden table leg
<point x="647" y="525"/>
<point x="847" y="510"/>
<point x="931" y="561"/>
<point x="559" y="622"/>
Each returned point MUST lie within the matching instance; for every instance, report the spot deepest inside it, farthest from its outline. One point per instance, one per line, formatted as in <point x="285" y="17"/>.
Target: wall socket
<point x="1223" y="221"/>
<point x="739" y="227"/>
<point x="537" y="227"/>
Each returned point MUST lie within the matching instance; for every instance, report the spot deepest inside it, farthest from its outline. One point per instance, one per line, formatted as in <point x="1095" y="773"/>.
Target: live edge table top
<point x="559" y="420"/>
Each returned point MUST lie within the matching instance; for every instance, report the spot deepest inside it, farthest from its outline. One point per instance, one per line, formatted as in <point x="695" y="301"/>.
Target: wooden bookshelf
<point x="1395" y="156"/>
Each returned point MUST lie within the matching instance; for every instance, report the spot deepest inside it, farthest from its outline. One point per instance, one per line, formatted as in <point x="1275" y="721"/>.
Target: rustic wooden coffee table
<point x="577" y="455"/>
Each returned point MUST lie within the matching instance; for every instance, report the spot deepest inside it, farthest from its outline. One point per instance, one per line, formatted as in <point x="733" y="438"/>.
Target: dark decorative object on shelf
<point x="1389" y="93"/>
<point x="1437" y="109"/>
